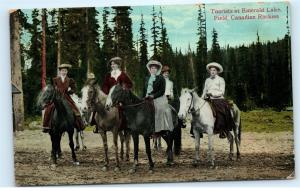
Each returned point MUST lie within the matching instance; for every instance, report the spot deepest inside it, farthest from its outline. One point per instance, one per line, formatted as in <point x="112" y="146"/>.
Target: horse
<point x="203" y="120"/>
<point x="140" y="117"/>
<point x="79" y="134"/>
<point x="93" y="99"/>
<point x="62" y="120"/>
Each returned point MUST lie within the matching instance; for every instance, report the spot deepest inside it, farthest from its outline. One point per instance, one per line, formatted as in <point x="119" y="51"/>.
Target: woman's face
<point x="166" y="74"/>
<point x="114" y="66"/>
<point x="63" y="72"/>
<point x="153" y="70"/>
<point x="213" y="71"/>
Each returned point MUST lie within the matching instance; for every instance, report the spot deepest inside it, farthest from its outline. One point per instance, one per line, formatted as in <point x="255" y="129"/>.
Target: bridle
<point x="192" y="106"/>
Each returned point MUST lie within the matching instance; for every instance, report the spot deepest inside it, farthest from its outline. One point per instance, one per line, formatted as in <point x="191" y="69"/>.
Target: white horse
<point x="77" y="133"/>
<point x="203" y="122"/>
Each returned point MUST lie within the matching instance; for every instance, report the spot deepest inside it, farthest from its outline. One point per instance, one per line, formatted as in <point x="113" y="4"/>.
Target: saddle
<point x="224" y="121"/>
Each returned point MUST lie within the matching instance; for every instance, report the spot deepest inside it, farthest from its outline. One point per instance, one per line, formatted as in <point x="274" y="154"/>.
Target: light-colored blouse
<point x="214" y="86"/>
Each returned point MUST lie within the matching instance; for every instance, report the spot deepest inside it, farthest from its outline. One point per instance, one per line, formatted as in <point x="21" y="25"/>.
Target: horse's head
<point x="186" y="102"/>
<point x="89" y="97"/>
<point x="46" y="97"/>
<point x="117" y="94"/>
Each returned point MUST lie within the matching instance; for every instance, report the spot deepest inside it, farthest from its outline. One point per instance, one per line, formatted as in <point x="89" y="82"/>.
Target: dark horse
<point x="140" y="121"/>
<point x="62" y="120"/>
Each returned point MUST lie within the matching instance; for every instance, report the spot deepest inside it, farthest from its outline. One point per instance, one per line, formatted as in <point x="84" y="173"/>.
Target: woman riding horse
<point x="155" y="86"/>
<point x="66" y="86"/>
<point x="214" y="90"/>
<point x="115" y="76"/>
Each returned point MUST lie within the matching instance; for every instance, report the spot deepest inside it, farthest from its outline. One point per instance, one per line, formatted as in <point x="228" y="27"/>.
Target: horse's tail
<point x="177" y="140"/>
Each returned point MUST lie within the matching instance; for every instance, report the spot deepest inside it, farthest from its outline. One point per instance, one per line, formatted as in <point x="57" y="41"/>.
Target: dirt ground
<point x="264" y="156"/>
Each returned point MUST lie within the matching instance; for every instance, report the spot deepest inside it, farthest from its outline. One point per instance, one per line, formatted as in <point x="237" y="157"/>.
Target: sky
<point x="181" y="24"/>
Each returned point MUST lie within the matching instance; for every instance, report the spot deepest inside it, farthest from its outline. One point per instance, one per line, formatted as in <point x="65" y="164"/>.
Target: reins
<point x="192" y="107"/>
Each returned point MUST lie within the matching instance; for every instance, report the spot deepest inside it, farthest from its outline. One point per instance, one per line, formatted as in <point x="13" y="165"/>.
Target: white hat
<point x="91" y="76"/>
<point x="156" y="63"/>
<point x="115" y="59"/>
<point x="216" y="65"/>
<point x="64" y="66"/>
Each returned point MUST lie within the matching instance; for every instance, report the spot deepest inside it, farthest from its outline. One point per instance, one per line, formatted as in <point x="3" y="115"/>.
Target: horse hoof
<point x="132" y="171"/>
<point x="84" y="148"/>
<point x="76" y="163"/>
<point x="117" y="169"/>
<point x="104" y="169"/>
<point x="77" y="148"/>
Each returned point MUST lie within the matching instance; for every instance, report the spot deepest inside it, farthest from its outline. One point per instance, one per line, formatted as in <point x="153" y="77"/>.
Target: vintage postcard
<point x="152" y="94"/>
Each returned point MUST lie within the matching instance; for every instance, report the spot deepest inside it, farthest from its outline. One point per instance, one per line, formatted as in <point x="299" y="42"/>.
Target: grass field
<point x="260" y="120"/>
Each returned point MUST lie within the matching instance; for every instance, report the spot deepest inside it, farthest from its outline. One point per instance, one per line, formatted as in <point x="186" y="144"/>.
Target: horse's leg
<point x="127" y="139"/>
<point x="158" y="144"/>
<point x="197" y="146"/>
<point x="82" y="138"/>
<point x="122" y="140"/>
<point x="210" y="148"/>
<point x="237" y="144"/>
<point x="168" y="138"/>
<point x="115" y="139"/>
<point x="104" y="139"/>
<point x="135" y="137"/>
<point x="148" y="151"/>
<point x="230" y="139"/>
<point x="71" y="144"/>
<point x="155" y="143"/>
<point x="59" y="153"/>
<point x="77" y="145"/>
<point x="54" y="146"/>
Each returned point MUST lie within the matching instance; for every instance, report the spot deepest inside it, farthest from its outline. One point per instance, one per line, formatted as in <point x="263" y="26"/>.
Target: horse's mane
<point x="100" y="94"/>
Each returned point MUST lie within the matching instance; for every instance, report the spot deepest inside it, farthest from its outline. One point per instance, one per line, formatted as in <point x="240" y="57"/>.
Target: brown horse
<point x="93" y="100"/>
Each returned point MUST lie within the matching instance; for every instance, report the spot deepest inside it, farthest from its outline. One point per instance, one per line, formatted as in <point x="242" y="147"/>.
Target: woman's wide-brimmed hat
<point x="116" y="60"/>
<point x="165" y="68"/>
<point x="215" y="65"/>
<point x="64" y="66"/>
<point x="155" y="63"/>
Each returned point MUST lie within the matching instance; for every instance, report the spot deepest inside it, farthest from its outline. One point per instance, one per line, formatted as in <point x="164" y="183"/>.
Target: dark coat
<point x="63" y="87"/>
<point x="109" y="82"/>
<point x="159" y="86"/>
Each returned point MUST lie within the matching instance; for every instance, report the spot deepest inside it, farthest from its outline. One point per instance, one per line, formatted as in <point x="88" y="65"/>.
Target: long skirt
<point x="163" y="115"/>
<point x="224" y="121"/>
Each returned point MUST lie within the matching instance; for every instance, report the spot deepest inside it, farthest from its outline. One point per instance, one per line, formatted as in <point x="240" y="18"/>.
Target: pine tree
<point x="154" y="34"/>
<point x="143" y="56"/>
<point x="201" y="54"/>
<point x="215" y="49"/>
<point x="107" y="39"/>
<point x="164" y="47"/>
<point x="32" y="82"/>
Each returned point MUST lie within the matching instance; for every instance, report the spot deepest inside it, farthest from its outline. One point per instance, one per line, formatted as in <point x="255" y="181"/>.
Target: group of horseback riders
<point x="158" y="89"/>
